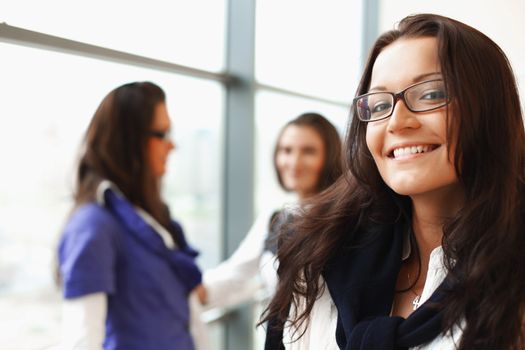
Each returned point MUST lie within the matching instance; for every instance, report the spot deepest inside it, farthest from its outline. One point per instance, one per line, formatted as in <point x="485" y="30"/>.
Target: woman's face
<point x="159" y="143"/>
<point x="410" y="149"/>
<point x="300" y="158"/>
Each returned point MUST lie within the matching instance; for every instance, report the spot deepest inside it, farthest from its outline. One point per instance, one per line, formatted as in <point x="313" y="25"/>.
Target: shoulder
<point x="267" y="214"/>
<point x="361" y="248"/>
<point x="90" y="224"/>
<point x="262" y="222"/>
<point x="88" y="251"/>
<point x="364" y="236"/>
<point x="91" y="214"/>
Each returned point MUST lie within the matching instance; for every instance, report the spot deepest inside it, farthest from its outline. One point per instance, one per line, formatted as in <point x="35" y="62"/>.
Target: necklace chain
<point x="417" y="300"/>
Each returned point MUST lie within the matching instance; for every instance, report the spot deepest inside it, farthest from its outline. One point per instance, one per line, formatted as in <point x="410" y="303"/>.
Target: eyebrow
<point x="416" y="79"/>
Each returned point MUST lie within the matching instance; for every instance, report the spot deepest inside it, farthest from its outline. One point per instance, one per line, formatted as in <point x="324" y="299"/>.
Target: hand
<point x="202" y="294"/>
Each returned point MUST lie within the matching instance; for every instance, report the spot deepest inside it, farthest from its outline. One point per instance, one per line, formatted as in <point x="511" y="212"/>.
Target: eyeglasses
<point x="421" y="97"/>
<point x="161" y="135"/>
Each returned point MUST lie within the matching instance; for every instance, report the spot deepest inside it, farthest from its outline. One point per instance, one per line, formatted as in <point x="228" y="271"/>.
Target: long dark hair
<point x="333" y="165"/>
<point x="484" y="243"/>
<point x="115" y="148"/>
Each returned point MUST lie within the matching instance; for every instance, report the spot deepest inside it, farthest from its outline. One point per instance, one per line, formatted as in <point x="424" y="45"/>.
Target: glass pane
<point x="271" y="113"/>
<point x="185" y="32"/>
<point x="47" y="100"/>
<point x="313" y="47"/>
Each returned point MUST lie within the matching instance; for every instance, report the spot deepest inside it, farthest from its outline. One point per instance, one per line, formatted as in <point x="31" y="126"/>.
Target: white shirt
<point x="250" y="271"/>
<point x="323" y="318"/>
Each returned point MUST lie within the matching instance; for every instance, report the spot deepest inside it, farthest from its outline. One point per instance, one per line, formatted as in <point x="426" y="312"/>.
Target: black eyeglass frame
<point x="399" y="96"/>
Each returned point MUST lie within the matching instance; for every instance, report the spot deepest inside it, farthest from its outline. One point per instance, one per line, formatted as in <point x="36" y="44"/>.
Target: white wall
<point x="501" y="20"/>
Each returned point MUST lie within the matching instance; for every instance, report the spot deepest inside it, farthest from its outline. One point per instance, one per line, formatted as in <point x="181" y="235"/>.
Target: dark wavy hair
<point x="115" y="148"/>
<point x="484" y="243"/>
<point x="333" y="165"/>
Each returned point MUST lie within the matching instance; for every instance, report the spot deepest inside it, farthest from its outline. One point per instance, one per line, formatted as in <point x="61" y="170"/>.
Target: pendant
<point x="416" y="301"/>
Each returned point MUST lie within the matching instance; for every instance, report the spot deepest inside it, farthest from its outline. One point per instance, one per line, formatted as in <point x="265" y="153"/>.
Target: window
<point x="309" y="47"/>
<point x="48" y="100"/>
<point x="190" y="33"/>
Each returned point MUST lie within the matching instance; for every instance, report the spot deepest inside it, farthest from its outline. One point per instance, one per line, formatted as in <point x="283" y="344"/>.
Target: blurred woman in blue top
<point x="125" y="265"/>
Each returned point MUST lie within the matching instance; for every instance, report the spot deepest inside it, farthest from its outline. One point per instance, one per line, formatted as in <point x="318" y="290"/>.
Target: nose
<point x="293" y="160"/>
<point x="172" y="145"/>
<point x="402" y="118"/>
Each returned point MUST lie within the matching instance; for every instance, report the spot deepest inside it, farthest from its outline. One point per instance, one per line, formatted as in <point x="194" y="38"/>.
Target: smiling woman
<point x="411" y="151"/>
<point x="421" y="244"/>
<point x="307" y="160"/>
<point x="299" y="158"/>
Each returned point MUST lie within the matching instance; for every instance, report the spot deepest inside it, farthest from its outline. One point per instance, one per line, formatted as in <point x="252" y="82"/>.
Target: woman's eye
<point x="381" y="107"/>
<point x="433" y="95"/>
<point x="285" y="150"/>
<point x="310" y="150"/>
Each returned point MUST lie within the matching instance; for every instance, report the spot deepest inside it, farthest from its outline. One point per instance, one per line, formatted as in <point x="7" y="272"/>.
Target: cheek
<point x="150" y="150"/>
<point x="155" y="153"/>
<point x="373" y="142"/>
<point x="280" y="161"/>
<point x="316" y="164"/>
<point x="320" y="163"/>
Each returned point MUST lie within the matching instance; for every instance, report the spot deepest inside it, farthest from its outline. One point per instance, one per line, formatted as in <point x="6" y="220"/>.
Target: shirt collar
<point x="150" y="220"/>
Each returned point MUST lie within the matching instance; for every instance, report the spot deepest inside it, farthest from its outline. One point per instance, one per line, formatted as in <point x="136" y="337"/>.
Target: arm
<point x="83" y="322"/>
<point x="235" y="280"/>
<point x="87" y="258"/>
<point x="198" y="328"/>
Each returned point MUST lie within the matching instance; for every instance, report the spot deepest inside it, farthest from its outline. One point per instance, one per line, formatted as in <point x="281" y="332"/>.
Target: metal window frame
<point x="25" y="37"/>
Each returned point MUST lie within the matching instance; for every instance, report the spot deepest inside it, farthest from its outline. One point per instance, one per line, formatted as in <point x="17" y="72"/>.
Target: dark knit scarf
<point x="361" y="279"/>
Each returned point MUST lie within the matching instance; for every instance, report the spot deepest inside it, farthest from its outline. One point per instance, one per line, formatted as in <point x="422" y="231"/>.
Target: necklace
<point x="417" y="300"/>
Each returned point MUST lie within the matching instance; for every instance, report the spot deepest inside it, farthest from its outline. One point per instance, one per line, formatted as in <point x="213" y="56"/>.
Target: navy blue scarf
<point x="361" y="279"/>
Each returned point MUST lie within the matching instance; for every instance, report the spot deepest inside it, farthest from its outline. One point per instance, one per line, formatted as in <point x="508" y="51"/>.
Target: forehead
<point x="404" y="62"/>
<point x="297" y="135"/>
<point x="161" y="118"/>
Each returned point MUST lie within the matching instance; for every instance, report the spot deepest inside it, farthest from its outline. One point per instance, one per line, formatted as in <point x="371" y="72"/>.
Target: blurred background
<point x="234" y="72"/>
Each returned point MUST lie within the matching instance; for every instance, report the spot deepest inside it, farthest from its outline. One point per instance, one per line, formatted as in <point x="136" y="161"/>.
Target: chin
<point x="290" y="186"/>
<point x="404" y="188"/>
<point x="403" y="192"/>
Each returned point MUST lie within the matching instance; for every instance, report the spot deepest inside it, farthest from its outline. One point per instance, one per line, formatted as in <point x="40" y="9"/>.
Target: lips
<point x="402" y="151"/>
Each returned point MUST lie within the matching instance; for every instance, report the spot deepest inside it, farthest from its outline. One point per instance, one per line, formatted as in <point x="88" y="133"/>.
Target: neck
<point x="302" y="196"/>
<point x="429" y="213"/>
<point x="428" y="232"/>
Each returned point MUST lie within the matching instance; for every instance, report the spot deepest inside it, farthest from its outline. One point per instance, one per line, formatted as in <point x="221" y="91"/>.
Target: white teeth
<point x="399" y="152"/>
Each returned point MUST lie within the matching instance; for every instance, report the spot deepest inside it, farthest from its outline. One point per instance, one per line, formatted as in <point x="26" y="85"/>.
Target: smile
<point x="415" y="149"/>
